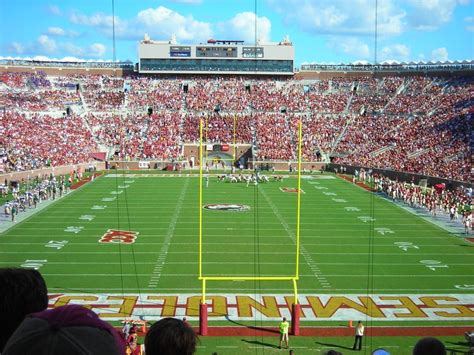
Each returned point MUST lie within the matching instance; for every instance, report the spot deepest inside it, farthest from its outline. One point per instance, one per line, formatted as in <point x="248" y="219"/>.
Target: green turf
<point x="342" y="251"/>
<point x="319" y="345"/>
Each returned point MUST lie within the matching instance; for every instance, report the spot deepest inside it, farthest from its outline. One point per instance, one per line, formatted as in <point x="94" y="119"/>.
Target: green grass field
<point x="362" y="257"/>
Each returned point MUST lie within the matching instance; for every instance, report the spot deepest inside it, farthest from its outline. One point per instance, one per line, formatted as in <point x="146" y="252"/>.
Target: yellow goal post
<point x="203" y="278"/>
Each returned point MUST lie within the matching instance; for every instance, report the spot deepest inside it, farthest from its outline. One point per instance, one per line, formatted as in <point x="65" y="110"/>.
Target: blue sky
<point x="322" y="31"/>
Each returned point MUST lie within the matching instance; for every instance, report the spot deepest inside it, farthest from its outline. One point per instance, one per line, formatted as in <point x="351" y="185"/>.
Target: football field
<point x="128" y="245"/>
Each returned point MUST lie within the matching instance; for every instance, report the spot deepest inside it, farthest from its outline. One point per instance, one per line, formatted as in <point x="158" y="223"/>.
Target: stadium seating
<point x="415" y="124"/>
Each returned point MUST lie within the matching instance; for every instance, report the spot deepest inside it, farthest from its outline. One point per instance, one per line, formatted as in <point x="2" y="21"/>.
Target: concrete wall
<point x="58" y="170"/>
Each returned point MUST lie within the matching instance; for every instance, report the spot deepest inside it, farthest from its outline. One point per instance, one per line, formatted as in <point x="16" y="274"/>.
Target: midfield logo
<point x="118" y="236"/>
<point x="227" y="207"/>
<point x="290" y="189"/>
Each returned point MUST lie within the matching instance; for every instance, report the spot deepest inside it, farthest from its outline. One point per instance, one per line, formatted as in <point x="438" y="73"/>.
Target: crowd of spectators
<point x="35" y="141"/>
<point x="415" y="124"/>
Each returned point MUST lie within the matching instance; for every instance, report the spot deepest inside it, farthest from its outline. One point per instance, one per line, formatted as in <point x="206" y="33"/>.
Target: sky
<point x="322" y="31"/>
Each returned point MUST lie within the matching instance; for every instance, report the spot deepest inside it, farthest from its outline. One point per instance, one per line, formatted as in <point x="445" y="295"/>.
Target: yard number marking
<point x="73" y="229"/>
<point x="98" y="207"/>
<point x="330" y="193"/>
<point x="352" y="209"/>
<point x="108" y="199"/>
<point x="366" y="219"/>
<point x="87" y="217"/>
<point x="406" y="245"/>
<point x="433" y="264"/>
<point x="339" y="200"/>
<point x="33" y="264"/>
<point x="384" y="231"/>
<point x="58" y="244"/>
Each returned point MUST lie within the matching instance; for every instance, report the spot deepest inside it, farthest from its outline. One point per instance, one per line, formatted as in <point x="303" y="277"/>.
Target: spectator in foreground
<point x="23" y="291"/>
<point x="429" y="346"/>
<point x="70" y="329"/>
<point x="170" y="336"/>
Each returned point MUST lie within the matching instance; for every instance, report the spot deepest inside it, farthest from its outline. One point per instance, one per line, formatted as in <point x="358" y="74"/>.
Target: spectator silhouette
<point x="70" y="329"/>
<point x="429" y="346"/>
<point x="23" y="291"/>
<point x="170" y="336"/>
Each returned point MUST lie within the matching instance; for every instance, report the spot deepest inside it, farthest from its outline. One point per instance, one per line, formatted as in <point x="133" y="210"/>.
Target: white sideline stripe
<point x="233" y="290"/>
<point x="309" y="260"/>
<point x="169" y="235"/>
<point x="251" y="275"/>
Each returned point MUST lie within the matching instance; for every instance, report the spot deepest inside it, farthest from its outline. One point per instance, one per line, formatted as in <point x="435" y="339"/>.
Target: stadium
<point x="224" y="183"/>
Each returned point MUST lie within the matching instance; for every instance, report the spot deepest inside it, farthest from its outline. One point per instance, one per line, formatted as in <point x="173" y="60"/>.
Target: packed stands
<point x="412" y="123"/>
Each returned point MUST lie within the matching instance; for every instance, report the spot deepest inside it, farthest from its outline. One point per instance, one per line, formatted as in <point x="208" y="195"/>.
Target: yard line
<point x="169" y="235"/>
<point x="306" y="255"/>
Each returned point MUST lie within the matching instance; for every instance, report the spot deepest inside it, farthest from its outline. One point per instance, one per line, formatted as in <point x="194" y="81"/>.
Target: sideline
<point x="6" y="223"/>
<point x="441" y="220"/>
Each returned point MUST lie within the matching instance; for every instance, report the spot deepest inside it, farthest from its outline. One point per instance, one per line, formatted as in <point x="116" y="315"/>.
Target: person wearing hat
<point x="69" y="329"/>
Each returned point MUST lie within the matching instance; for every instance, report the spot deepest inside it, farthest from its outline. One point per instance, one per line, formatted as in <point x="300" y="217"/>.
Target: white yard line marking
<point x="157" y="271"/>
<point x="306" y="255"/>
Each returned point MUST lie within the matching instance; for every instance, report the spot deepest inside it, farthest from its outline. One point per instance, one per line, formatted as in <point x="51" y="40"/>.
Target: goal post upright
<point x="298" y="203"/>
<point x="201" y="162"/>
<point x="234" y="136"/>
<point x="295" y="307"/>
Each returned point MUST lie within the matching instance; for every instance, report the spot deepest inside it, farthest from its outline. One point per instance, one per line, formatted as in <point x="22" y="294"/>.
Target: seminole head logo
<point x="232" y="207"/>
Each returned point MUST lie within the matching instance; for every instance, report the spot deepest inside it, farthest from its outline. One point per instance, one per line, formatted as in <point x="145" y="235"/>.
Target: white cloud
<point x="97" y="50"/>
<point x="164" y="22"/>
<point x="46" y="44"/>
<point x="72" y="49"/>
<point x="439" y="54"/>
<point x="243" y="27"/>
<point x="351" y="46"/>
<point x="342" y="16"/>
<point x="56" y="31"/>
<point x="470" y="23"/>
<point x="159" y="23"/>
<point x="428" y="15"/>
<point x="17" y="47"/>
<point x="399" y="52"/>
<point x="99" y="19"/>
<point x="54" y="9"/>
<point x="60" y="32"/>
<point x="193" y="2"/>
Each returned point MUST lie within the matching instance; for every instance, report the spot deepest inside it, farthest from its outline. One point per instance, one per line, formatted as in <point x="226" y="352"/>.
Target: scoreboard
<point x="180" y="51"/>
<point x="221" y="57"/>
<point x="216" y="52"/>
